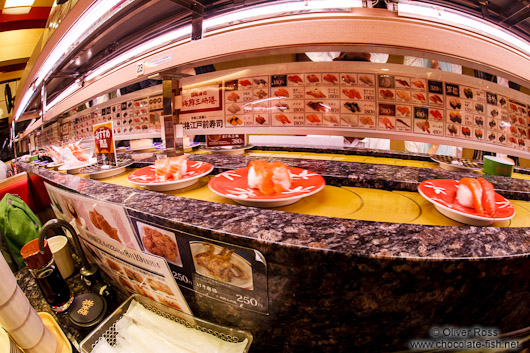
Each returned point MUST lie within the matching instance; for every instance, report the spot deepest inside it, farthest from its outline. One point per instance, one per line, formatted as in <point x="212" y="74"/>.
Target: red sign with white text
<point x="104" y="144"/>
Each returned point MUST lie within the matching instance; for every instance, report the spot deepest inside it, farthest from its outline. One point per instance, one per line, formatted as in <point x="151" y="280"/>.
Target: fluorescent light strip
<point x="141" y="49"/>
<point x="95" y="12"/>
<point x="24" y="102"/>
<point x="268" y="10"/>
<point x="225" y="19"/>
<point x="77" y="30"/>
<point x="68" y="91"/>
<point x="447" y="16"/>
<point x="87" y="21"/>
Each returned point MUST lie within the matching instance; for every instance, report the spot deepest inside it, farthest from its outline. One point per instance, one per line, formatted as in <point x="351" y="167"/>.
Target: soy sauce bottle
<point x="42" y="266"/>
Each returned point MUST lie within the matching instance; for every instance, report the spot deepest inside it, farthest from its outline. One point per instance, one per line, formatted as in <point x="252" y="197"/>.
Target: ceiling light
<point x="94" y="16"/>
<point x="279" y="9"/>
<point x="260" y="11"/>
<point x="68" y="91"/>
<point x="16" y="10"/>
<point x="18" y="3"/>
<point x="141" y="49"/>
<point x="457" y="19"/>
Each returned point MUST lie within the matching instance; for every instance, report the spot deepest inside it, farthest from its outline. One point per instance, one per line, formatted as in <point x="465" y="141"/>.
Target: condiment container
<point x="42" y="266"/>
<point x="87" y="311"/>
<point x="497" y="166"/>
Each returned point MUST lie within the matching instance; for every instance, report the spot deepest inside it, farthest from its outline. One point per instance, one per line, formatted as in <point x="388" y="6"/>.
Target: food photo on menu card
<point x="100" y="218"/>
<point x="160" y="242"/>
<point x="222" y="263"/>
<point x="154" y="282"/>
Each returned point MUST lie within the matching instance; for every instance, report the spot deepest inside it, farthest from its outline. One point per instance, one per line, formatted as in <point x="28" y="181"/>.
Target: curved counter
<point x="346" y="285"/>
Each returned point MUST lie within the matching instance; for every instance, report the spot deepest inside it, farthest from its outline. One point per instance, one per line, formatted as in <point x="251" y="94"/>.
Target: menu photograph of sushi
<point x="266" y="184"/>
<point x="170" y="174"/>
<point x="468" y="200"/>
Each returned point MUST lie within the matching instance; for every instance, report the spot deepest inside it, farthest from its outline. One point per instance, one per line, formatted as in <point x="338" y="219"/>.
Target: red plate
<point x="234" y="185"/>
<point x="146" y="177"/>
<point x="442" y="193"/>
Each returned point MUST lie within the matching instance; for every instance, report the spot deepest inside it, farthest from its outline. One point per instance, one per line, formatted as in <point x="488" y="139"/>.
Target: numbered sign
<point x="140" y="69"/>
<point x="104" y="144"/>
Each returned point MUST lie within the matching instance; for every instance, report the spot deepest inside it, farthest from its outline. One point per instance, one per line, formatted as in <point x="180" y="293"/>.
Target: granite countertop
<point x="354" y="237"/>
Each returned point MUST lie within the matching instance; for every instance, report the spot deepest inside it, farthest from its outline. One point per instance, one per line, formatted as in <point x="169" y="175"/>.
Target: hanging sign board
<point x="104" y="144"/>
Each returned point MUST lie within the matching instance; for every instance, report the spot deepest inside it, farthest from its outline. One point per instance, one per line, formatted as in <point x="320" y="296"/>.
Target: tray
<point x="107" y="328"/>
<point x="63" y="345"/>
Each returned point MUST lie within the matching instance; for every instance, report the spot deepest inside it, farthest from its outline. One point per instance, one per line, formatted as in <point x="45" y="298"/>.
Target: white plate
<point x="463" y="217"/>
<point x="198" y="247"/>
<point x="233" y="184"/>
<point x="107" y="173"/>
<point x="170" y="185"/>
<point x="230" y="150"/>
<point x="445" y="163"/>
<point x="54" y="165"/>
<point x="76" y="169"/>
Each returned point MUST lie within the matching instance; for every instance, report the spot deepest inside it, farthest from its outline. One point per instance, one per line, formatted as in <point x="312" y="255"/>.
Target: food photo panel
<point x="160" y="242"/>
<point x="102" y="218"/>
<point x="136" y="272"/>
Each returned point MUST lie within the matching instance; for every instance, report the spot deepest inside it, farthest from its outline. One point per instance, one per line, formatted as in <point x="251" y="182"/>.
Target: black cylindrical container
<point x="87" y="311"/>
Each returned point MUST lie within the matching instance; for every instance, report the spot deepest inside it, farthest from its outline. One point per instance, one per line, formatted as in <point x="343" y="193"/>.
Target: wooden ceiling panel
<point x="19" y="44"/>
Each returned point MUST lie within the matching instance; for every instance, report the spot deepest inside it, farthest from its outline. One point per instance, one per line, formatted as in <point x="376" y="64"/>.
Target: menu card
<point x="230" y="273"/>
<point x="105" y="148"/>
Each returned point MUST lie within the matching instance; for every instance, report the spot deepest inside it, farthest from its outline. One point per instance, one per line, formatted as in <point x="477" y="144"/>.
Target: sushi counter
<point x="334" y="280"/>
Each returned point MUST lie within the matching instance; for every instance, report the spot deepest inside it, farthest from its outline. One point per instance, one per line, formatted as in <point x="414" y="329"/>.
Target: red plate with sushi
<point x="146" y="177"/>
<point x="442" y="193"/>
<point x="233" y="184"/>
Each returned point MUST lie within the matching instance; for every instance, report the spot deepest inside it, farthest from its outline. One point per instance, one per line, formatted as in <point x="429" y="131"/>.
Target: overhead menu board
<point x="401" y="102"/>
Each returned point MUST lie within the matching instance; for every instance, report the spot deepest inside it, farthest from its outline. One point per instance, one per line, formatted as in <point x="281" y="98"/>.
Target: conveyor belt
<point x="353" y="203"/>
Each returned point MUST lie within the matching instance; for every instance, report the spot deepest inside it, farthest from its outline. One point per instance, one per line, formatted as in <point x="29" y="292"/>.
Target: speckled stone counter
<point x="338" y="285"/>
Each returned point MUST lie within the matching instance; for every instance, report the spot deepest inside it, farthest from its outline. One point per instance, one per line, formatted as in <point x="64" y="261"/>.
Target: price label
<point x="181" y="278"/>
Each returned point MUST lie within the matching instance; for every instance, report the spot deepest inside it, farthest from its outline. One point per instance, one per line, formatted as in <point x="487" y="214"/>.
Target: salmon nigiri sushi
<point x="172" y="168"/>
<point x="269" y="178"/>
<point x="161" y="169"/>
<point x="478" y="194"/>
<point x="178" y="166"/>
